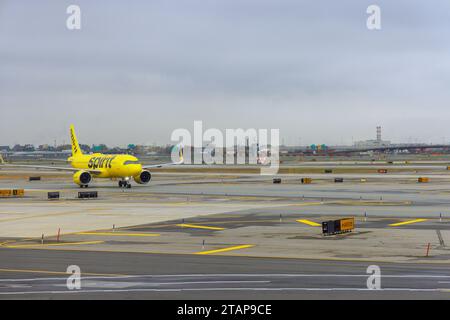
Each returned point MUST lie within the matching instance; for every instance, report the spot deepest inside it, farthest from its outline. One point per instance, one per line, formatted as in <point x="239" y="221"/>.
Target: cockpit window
<point x="130" y="162"/>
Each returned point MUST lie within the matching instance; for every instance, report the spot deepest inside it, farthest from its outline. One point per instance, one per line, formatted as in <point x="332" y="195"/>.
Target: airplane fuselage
<point x="107" y="166"/>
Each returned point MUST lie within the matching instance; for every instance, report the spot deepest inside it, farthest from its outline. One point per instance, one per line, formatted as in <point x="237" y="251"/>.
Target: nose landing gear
<point x="124" y="184"/>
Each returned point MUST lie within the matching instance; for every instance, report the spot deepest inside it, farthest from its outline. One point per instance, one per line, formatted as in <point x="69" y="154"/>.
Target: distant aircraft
<point x="97" y="165"/>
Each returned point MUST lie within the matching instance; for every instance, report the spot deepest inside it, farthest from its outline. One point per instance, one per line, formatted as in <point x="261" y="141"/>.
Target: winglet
<point x="181" y="152"/>
<point x="76" y="151"/>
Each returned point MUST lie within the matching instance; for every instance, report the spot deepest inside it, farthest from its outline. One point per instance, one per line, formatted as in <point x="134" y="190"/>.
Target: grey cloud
<point x="310" y="68"/>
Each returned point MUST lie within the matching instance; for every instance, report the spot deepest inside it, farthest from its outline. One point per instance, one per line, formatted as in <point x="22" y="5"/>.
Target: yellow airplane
<point x="97" y="165"/>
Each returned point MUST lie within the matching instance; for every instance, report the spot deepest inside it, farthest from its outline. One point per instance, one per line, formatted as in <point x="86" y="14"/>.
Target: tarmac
<point x="226" y="235"/>
<point x="107" y="275"/>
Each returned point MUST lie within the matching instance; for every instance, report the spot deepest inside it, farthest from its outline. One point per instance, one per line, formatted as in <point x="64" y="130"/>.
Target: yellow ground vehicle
<point x="347" y="224"/>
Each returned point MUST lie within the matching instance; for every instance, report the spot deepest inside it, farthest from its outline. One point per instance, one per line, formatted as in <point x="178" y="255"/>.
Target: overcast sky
<point x="137" y="70"/>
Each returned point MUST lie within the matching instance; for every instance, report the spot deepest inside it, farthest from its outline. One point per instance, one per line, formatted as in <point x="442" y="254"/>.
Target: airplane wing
<point x="76" y="170"/>
<point x="2" y="164"/>
<point x="162" y="165"/>
<point x="181" y="161"/>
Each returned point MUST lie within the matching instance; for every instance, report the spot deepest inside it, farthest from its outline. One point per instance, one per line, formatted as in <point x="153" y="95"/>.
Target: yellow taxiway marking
<point x="51" y="244"/>
<point x="307" y="204"/>
<point x="119" y="234"/>
<point x="226" y="249"/>
<point x="407" y="222"/>
<point x="218" y="221"/>
<point x="57" y="272"/>
<point x="309" y="223"/>
<point x="198" y="227"/>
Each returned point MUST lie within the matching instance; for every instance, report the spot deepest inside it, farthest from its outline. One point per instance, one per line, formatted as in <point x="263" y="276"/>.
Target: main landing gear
<point x="124" y="184"/>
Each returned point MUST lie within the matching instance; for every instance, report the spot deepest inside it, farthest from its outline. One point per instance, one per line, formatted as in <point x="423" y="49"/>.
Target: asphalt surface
<point x="106" y="275"/>
<point x="234" y="203"/>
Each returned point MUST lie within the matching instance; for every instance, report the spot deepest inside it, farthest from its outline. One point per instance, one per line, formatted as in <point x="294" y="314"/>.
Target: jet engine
<point x="143" y="178"/>
<point x="82" y="178"/>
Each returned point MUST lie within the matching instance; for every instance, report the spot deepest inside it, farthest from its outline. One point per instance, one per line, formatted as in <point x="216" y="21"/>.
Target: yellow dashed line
<point x="226" y="249"/>
<point x="199" y="227"/>
<point x="52" y="244"/>
<point x="407" y="222"/>
<point x="307" y="204"/>
<point x="309" y="223"/>
<point x="119" y="234"/>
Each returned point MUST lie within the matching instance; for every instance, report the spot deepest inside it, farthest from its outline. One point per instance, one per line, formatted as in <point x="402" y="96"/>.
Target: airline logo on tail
<point x="75" y="147"/>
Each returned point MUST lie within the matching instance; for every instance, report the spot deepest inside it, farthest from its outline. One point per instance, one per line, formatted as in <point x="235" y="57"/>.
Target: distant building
<point x="5" y="148"/>
<point x="83" y="147"/>
<point x="25" y="148"/>
<point x="99" y="148"/>
<point x="377" y="143"/>
<point x="64" y="147"/>
<point x="46" y="147"/>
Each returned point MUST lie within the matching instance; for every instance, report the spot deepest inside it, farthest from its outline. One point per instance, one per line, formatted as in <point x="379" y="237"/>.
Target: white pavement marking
<point x="280" y="275"/>
<point x="228" y="289"/>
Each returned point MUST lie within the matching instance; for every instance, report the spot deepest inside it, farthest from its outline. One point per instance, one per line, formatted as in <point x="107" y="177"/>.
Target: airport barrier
<point x="306" y="180"/>
<point x="34" y="178"/>
<point x="87" y="194"/>
<point x="347" y="224"/>
<point x="338" y="180"/>
<point x="423" y="180"/>
<point x="12" y="193"/>
<point x="5" y="193"/>
<point x="338" y="226"/>
<point x="382" y="170"/>
<point x="276" y="180"/>
<point x="53" y="195"/>
<point x="18" y="192"/>
<point x="328" y="171"/>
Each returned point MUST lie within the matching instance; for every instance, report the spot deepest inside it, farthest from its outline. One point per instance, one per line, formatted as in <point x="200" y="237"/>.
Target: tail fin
<point x="76" y="151"/>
